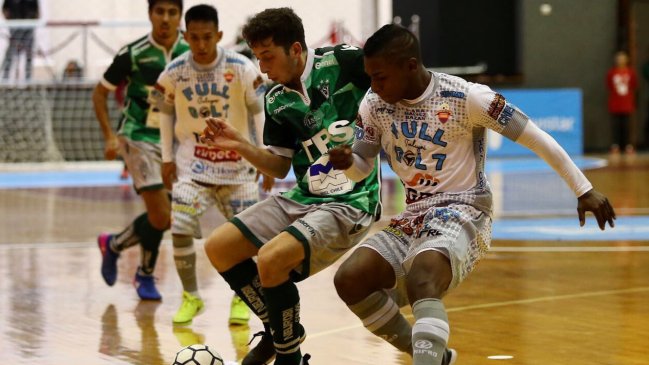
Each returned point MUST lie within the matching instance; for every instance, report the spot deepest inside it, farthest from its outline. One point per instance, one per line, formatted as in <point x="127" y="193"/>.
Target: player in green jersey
<point x="139" y="64"/>
<point x="294" y="235"/>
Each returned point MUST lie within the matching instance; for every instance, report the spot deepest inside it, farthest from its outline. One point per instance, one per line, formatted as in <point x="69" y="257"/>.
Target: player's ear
<point x="296" y="49"/>
<point x="413" y="64"/>
<point x="219" y="36"/>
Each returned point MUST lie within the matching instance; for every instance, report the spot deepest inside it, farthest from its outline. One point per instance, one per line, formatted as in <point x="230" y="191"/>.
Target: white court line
<point x="503" y="304"/>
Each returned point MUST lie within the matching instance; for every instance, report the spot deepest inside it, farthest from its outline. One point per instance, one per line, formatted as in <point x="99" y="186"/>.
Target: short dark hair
<point x="282" y="25"/>
<point x="202" y="13"/>
<point x="393" y="42"/>
<point x="178" y="3"/>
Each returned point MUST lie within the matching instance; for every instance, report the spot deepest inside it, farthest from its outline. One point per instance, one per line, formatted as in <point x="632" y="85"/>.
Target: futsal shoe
<point x="450" y="356"/>
<point x="191" y="307"/>
<point x="264" y="352"/>
<point x="145" y="287"/>
<point x="239" y="312"/>
<point x="108" y="259"/>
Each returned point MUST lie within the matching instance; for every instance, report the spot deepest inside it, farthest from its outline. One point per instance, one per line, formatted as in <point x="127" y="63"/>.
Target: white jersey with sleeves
<point x="231" y="87"/>
<point x="436" y="144"/>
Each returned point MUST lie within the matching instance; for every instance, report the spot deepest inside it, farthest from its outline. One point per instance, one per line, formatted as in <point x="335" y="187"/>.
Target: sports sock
<point x="127" y="237"/>
<point x="150" y="238"/>
<point x="381" y="316"/>
<point x="430" y="332"/>
<point x="185" y="260"/>
<point x="284" y="315"/>
<point x="243" y="278"/>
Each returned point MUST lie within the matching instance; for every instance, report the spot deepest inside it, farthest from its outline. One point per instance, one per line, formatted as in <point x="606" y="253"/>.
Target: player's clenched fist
<point x="341" y="157"/>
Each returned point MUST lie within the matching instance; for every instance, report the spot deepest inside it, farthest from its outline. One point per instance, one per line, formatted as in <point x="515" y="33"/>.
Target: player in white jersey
<point x="208" y="81"/>
<point x="432" y="127"/>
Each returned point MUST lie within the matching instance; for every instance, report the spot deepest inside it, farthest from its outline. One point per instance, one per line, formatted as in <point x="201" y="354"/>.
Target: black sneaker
<point x="305" y="359"/>
<point x="263" y="353"/>
<point x="450" y="356"/>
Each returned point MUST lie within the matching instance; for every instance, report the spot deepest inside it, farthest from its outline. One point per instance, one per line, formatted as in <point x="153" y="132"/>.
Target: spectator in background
<point x="622" y="84"/>
<point x="20" y="39"/>
<point x="72" y="71"/>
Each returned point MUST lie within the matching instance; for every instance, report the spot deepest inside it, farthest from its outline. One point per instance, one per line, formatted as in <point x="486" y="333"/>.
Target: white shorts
<point x="143" y="160"/>
<point x="461" y="232"/>
<point x="191" y="200"/>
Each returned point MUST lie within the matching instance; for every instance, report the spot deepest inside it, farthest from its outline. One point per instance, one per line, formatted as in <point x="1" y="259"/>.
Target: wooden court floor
<point x="527" y="303"/>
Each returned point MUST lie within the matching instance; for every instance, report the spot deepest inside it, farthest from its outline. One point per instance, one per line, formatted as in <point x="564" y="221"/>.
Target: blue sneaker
<point x="108" y="259"/>
<point x="145" y="287"/>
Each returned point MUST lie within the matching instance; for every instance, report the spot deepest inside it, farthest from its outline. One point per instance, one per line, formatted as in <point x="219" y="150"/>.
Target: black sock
<point x="243" y="278"/>
<point x="150" y="238"/>
<point x="127" y="237"/>
<point x="284" y="315"/>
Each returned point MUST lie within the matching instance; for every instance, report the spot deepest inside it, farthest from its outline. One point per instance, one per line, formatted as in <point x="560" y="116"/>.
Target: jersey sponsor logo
<point x="369" y="134"/>
<point x="384" y="110"/>
<point x="324" y="180"/>
<point x="413" y="195"/>
<point x="347" y="47"/>
<point x="308" y="227"/>
<point x="326" y="63"/>
<point x="206" y="89"/>
<point x="506" y="115"/>
<point x="182" y="78"/>
<point x="148" y="59"/>
<point x="281" y="108"/>
<point x="215" y="155"/>
<point x="228" y="75"/>
<point x="496" y="107"/>
<point x="443" y="113"/>
<point x="452" y="94"/>
<point x="445" y="214"/>
<point x="421" y="179"/>
<point x="339" y="131"/>
<point x="271" y="98"/>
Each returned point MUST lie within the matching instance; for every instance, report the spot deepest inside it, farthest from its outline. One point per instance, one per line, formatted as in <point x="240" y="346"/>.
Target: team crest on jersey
<point x="421" y="179"/>
<point x="443" y="113"/>
<point x="228" y="75"/>
<point x="310" y="121"/>
<point x="323" y="87"/>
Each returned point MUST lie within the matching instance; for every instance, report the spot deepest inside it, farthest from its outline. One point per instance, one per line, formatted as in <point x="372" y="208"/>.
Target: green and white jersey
<point x="305" y="126"/>
<point x="139" y="64"/>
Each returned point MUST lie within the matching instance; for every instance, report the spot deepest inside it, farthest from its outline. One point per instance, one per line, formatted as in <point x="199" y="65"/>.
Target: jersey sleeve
<point x="352" y="68"/>
<point x="279" y="137"/>
<point x="119" y="70"/>
<point x="490" y="109"/>
<point x="164" y="93"/>
<point x="367" y="142"/>
<point x="255" y="88"/>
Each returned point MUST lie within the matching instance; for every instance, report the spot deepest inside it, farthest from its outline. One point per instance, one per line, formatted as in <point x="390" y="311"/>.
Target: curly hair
<point x="281" y="25"/>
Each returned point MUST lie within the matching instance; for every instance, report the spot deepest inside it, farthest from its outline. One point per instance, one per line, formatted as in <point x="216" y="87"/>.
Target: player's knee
<point x="348" y="284"/>
<point x="361" y="275"/>
<point x="429" y="276"/>
<point x="160" y="220"/>
<point x="272" y="268"/>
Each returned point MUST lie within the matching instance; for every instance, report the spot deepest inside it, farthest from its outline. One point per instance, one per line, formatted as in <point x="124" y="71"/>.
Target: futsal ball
<point x="197" y="355"/>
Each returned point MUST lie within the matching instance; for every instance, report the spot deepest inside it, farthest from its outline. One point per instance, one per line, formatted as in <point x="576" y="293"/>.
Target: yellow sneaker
<point x="191" y="307"/>
<point x="239" y="313"/>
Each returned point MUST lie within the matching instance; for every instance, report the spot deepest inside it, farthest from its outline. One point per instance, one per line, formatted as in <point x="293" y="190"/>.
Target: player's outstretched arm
<point x="355" y="166"/>
<point x="221" y="134"/>
<point x="595" y="202"/>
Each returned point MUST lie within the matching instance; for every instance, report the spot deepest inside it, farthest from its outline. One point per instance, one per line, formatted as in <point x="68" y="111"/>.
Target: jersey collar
<point x="432" y="85"/>
<point x="219" y="57"/>
<point x="167" y="54"/>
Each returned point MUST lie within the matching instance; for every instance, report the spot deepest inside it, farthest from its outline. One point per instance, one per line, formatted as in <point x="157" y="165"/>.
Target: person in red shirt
<point x="622" y="84"/>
